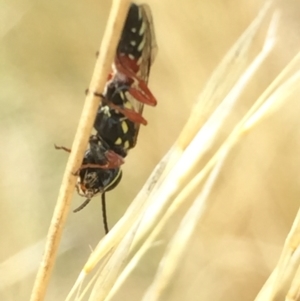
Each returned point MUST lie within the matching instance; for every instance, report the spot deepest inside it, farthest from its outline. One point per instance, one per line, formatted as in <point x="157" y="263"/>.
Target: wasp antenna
<point x="82" y="205"/>
<point x="104" y="213"/>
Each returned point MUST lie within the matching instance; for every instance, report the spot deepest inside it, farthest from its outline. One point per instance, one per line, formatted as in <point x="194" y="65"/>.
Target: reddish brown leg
<point x="113" y="161"/>
<point x="91" y="165"/>
<point x="130" y="114"/>
<point x="145" y="96"/>
<point x="131" y="65"/>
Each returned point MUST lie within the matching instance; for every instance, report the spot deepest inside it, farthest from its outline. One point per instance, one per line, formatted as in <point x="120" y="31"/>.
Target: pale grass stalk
<point x="77" y="292"/>
<point x="294" y="291"/>
<point x="99" y="78"/>
<point x="285" y="264"/>
<point x="264" y="106"/>
<point x="274" y="101"/>
<point x="178" y="245"/>
<point x="266" y="290"/>
<point x="231" y="67"/>
<point x="287" y="72"/>
<point x="107" y="274"/>
<point x="272" y="286"/>
<point x="112" y="269"/>
<point x="81" y="293"/>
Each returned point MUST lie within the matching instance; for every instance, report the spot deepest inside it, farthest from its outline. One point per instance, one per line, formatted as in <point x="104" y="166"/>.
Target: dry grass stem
<point x="231" y="67"/>
<point x="112" y="269"/>
<point x="273" y="102"/>
<point x="179" y="243"/>
<point x="294" y="291"/>
<point x="286" y="267"/>
<point x="102" y="69"/>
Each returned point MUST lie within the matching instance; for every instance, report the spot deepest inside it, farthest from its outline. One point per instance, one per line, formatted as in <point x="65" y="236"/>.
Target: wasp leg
<point x="68" y="150"/>
<point x="131" y="65"/>
<point x="99" y="95"/>
<point x="109" y="165"/>
<point x="143" y="94"/>
<point x="130" y="114"/>
<point x="113" y="161"/>
<point x="94" y="165"/>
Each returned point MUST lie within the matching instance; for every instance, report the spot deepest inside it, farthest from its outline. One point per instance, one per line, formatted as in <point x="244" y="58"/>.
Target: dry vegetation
<point x="224" y="236"/>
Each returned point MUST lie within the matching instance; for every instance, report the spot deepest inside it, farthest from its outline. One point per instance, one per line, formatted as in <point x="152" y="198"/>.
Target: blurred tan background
<point x="47" y="54"/>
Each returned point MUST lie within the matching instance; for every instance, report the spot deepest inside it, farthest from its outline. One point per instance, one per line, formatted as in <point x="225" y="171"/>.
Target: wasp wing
<point x="149" y="49"/>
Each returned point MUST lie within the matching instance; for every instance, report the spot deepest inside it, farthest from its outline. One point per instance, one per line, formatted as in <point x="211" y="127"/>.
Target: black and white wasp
<point x="120" y="112"/>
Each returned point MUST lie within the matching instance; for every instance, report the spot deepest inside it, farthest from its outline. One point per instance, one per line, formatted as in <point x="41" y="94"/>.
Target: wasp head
<point x="92" y="181"/>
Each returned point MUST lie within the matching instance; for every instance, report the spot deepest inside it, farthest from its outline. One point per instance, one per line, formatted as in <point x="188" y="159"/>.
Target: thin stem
<point x="103" y="65"/>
